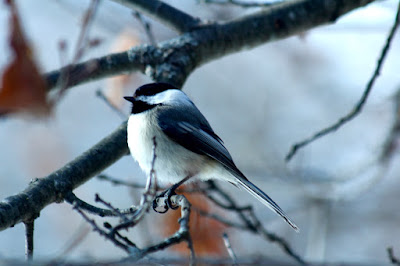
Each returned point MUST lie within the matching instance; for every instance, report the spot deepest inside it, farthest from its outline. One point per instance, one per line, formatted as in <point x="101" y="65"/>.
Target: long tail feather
<point x="265" y="199"/>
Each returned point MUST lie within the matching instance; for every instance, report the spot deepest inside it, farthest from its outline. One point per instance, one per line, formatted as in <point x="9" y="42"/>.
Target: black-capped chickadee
<point x="187" y="147"/>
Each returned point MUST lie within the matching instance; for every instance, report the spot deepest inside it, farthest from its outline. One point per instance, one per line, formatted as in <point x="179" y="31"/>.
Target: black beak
<point x="129" y="99"/>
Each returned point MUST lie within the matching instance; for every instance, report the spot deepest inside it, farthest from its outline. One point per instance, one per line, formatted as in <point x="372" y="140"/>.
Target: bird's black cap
<point x="153" y="88"/>
<point x="150" y="89"/>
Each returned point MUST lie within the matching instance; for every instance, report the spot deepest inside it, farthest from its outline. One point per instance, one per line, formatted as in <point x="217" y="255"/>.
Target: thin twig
<point x="147" y="27"/>
<point x="147" y="196"/>
<point x="392" y="257"/>
<point x="78" y="203"/>
<point x="100" y="94"/>
<point x="220" y="219"/>
<point x="29" y="229"/>
<point x="226" y="206"/>
<point x="361" y="102"/>
<point x="80" y="49"/>
<point x="275" y="239"/>
<point x="73" y="243"/>
<point x="232" y="205"/>
<point x="181" y="235"/>
<point x="229" y="248"/>
<point x="245" y="4"/>
<point x="207" y="42"/>
<point x="252" y="223"/>
<point x="392" y="141"/>
<point x="120" y="182"/>
<point x="97" y="229"/>
<point x="166" y="14"/>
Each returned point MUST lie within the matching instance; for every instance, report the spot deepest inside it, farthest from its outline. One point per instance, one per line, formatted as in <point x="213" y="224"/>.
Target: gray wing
<point x="189" y="128"/>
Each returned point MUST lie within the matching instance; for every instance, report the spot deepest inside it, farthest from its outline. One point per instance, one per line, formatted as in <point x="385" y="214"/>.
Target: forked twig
<point x="361" y="102"/>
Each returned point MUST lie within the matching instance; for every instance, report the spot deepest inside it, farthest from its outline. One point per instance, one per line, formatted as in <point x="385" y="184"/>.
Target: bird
<point x="187" y="147"/>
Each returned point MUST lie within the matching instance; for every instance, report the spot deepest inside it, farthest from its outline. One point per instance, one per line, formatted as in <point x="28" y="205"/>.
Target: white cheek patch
<point x="167" y="97"/>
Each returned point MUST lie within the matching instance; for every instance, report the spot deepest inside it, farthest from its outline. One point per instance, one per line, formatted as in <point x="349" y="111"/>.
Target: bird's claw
<point x="167" y="194"/>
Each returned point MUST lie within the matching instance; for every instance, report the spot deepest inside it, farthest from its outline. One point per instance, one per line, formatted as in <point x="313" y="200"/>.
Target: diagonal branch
<point x="43" y="191"/>
<point x="171" y="61"/>
<point x="166" y="14"/>
<point x="361" y="102"/>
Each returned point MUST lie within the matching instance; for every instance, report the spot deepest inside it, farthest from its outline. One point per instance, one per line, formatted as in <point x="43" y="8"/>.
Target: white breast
<point x="173" y="162"/>
<point x="138" y="140"/>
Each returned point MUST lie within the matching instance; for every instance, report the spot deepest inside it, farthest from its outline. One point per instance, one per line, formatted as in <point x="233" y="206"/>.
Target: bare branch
<point x="100" y="94"/>
<point x="229" y="248"/>
<point x="81" y="46"/>
<point x="251" y="222"/>
<point x="97" y="229"/>
<point x="115" y="181"/>
<point x="166" y="14"/>
<point x="82" y="42"/>
<point x="29" y="229"/>
<point x="220" y="219"/>
<point x="78" y="203"/>
<point x="361" y="102"/>
<point x="172" y="61"/>
<point x="392" y="258"/>
<point x="147" y="27"/>
<point x="147" y="196"/>
<point x="181" y="235"/>
<point x="41" y="192"/>
<point x="244" y="4"/>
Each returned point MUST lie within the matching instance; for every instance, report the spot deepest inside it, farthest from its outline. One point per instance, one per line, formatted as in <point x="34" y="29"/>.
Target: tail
<point x="265" y="199"/>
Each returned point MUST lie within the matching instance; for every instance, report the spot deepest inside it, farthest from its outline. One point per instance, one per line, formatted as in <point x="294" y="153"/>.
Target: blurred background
<point x="338" y="190"/>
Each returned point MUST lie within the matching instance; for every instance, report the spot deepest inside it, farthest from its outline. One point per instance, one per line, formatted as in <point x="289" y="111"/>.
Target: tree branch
<point x="29" y="229"/>
<point x="43" y="191"/>
<point x="361" y="102"/>
<point x="172" y="61"/>
<point x="164" y="13"/>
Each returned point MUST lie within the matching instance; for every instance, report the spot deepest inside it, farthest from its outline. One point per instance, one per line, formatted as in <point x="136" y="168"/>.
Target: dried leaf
<point x="206" y="233"/>
<point x="22" y="86"/>
<point x="121" y="85"/>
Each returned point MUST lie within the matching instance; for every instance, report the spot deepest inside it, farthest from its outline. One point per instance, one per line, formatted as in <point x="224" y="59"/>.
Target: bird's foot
<point x="166" y="196"/>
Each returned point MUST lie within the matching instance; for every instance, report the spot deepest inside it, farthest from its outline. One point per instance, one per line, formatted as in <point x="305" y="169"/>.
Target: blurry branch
<point x="29" y="229"/>
<point x="41" y="192"/>
<point x="392" y="142"/>
<point x="392" y="258"/>
<point x="181" y="235"/>
<point x="229" y="248"/>
<point x="249" y="219"/>
<point x="82" y="43"/>
<point x="147" y="27"/>
<point x="100" y="94"/>
<point x="361" y="102"/>
<point x="126" y="221"/>
<point x="247" y="216"/>
<point x="166" y="14"/>
<point x="241" y="3"/>
<point x="119" y="182"/>
<point x="171" y="61"/>
<point x="81" y="46"/>
<point x="129" y="220"/>
<point x="78" y="203"/>
<point x="75" y="240"/>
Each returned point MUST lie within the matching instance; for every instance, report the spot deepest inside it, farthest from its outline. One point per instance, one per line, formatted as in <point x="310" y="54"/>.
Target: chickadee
<point x="187" y="147"/>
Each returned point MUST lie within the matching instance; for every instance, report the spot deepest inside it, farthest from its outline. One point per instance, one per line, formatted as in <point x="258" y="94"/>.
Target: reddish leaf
<point x="119" y="86"/>
<point x="22" y="87"/>
<point x="206" y="233"/>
